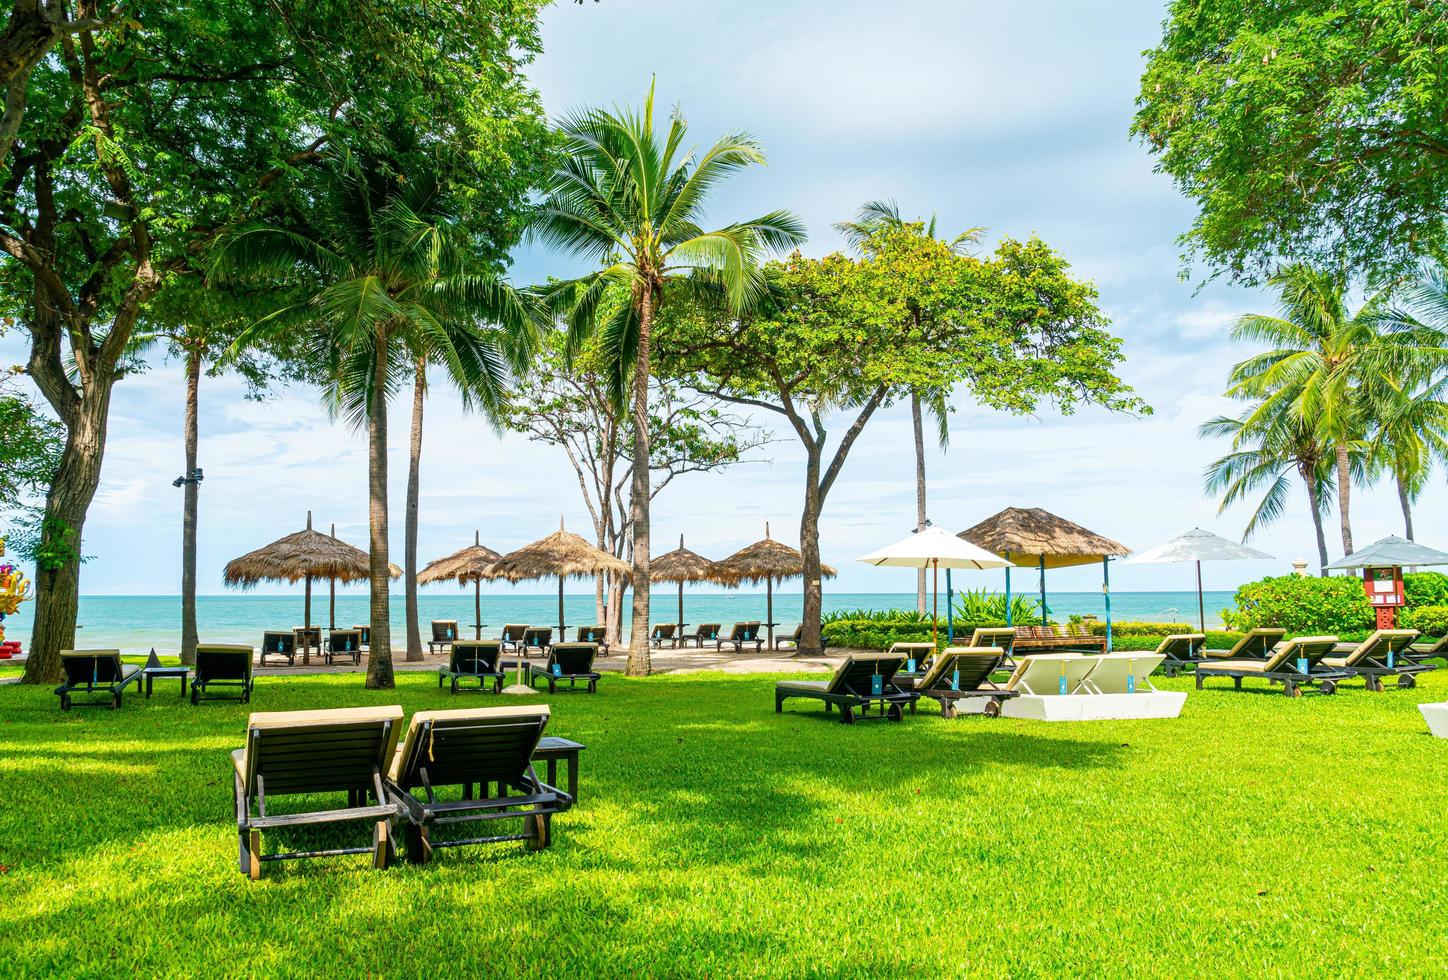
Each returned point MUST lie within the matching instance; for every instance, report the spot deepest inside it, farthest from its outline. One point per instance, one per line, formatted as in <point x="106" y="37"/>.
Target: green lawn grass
<point x="1255" y="834"/>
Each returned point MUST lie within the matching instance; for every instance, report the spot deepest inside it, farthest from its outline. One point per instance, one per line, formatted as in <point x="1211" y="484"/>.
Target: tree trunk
<point x="639" y="662"/>
<point x="1406" y="502"/>
<point x="810" y="643"/>
<point x="379" y="656"/>
<point x="920" y="516"/>
<point x="414" y="466"/>
<point x="1344" y="494"/>
<point x="57" y="574"/>
<point x="1315" y="504"/>
<point x="191" y="491"/>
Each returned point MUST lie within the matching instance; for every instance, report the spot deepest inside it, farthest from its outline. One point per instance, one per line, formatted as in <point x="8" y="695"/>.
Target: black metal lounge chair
<point x="703" y="633"/>
<point x="1295" y="664"/>
<point x="1380" y="655"/>
<point x="858" y="683"/>
<point x="513" y="635"/>
<point x="444" y="632"/>
<point x="663" y="633"/>
<point x="791" y="638"/>
<point x="276" y="643"/>
<point x="478" y="659"/>
<point x="740" y="634"/>
<point x="482" y="747"/>
<point x="343" y="644"/>
<point x="594" y="635"/>
<point x="961" y="673"/>
<point x="1255" y="644"/>
<point x="339" y="750"/>
<point x="571" y="662"/>
<point x="95" y="672"/>
<point x="536" y="640"/>
<point x="997" y="636"/>
<point x="1180" y="651"/>
<point x="225" y="667"/>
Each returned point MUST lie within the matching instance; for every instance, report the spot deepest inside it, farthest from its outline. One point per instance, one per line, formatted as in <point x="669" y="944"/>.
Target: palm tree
<point x="387" y="281"/>
<point x="873" y="218"/>
<point x="1268" y="449"/>
<point x="629" y="198"/>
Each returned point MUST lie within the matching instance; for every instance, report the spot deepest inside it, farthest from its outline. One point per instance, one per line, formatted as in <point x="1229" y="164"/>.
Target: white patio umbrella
<point x="1197" y="545"/>
<point x="934" y="548"/>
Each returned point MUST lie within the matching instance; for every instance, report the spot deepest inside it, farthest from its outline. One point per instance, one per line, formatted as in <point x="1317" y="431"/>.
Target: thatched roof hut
<point x="472" y="564"/>
<point x="681" y="565"/>
<point x="1024" y="536"/>
<point x="562" y="553"/>
<point x="766" y="561"/>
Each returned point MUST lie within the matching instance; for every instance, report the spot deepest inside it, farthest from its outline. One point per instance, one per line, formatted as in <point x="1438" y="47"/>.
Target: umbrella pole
<point x="307" y="604"/>
<point x="680" y="627"/>
<point x="477" y="609"/>
<point x="935" y="610"/>
<point x="1201" y="602"/>
<point x="332" y="603"/>
<point x="1106" y="591"/>
<point x="949" y="609"/>
<point x="1044" y="619"/>
<point x="562" y="634"/>
<point x="1008" y="595"/>
<point x="769" y="607"/>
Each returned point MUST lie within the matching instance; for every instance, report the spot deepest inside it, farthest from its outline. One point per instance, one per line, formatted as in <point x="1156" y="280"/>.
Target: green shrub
<point x="879" y="629"/>
<point x="1428" y="620"/>
<point x="981" y="606"/>
<point x="1128" y="627"/>
<point x="1301" y="605"/>
<point x="1425" y="589"/>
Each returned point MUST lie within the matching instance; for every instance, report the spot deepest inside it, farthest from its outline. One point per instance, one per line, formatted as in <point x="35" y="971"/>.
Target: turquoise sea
<point x="138" y="623"/>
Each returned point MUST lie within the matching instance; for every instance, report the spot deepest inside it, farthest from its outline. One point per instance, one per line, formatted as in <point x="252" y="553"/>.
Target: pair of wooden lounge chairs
<point x="427" y="783"/>
<point x="1294" y="663"/>
<point x="526" y="640"/>
<point x="741" y="635"/>
<point x="703" y="633"/>
<point x="1385" y="653"/>
<point x="481" y="660"/>
<point x="858" y="685"/>
<point x="222" y="671"/>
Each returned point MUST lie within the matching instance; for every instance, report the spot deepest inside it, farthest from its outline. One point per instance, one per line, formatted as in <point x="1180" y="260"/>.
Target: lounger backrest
<point x="1041" y="673"/>
<point x="1379" y="644"/>
<point x="537" y="636"/>
<point x="319" y="751"/>
<point x="856" y="674"/>
<point x="707" y="631"/>
<point x="444" y="630"/>
<point x="344" y="641"/>
<point x="475" y="657"/>
<point x="223" y="662"/>
<point x="85" y="666"/>
<point x="994" y="636"/>
<point x="1436" y="648"/>
<point x="798" y="633"/>
<point x="589" y="634"/>
<point x="472" y="745"/>
<point x="1309" y="648"/>
<point x="1256" y="644"/>
<point x="975" y="665"/>
<point x="1124" y="673"/>
<point x="1182" y="646"/>
<point x="278" y="642"/>
<point x="366" y="633"/>
<point x="572" y="658"/>
<point x="664" y="631"/>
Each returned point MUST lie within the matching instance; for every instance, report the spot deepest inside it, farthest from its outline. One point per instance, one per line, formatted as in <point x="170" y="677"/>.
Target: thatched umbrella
<point x="302" y="556"/>
<point x="681" y="565"/>
<point x="766" y="561"/>
<point x="564" y="554"/>
<point x="472" y="564"/>
<point x="1032" y="536"/>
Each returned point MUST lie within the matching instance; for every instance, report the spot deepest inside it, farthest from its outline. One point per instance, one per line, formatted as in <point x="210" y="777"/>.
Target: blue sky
<point x="1013" y="116"/>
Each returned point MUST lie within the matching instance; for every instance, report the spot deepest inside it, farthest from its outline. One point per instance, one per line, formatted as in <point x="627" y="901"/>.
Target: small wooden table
<point x="151" y="673"/>
<point x="550" y="750"/>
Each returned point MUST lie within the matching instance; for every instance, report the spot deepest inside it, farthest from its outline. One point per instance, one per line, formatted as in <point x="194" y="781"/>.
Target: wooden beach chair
<point x="513" y="636"/>
<point x="224" y="668"/>
<point x="740" y="634"/>
<point x="1294" y="663"/>
<point x="1180" y="651"/>
<point x="571" y="662"/>
<point x="344" y="644"/>
<point x="1427" y="650"/>
<point x="918" y="655"/>
<point x="279" y="643"/>
<point x="536" y="641"/>
<point x="95" y="672"/>
<point x="961" y="673"/>
<point x="663" y="633"/>
<point x="337" y="750"/>
<point x="1255" y="644"/>
<point x="703" y="633"/>
<point x="792" y="638"/>
<point x="449" y="753"/>
<point x="478" y="659"/>
<point x="857" y="685"/>
<point x="1380" y="655"/>
<point x="444" y="632"/>
<point x="594" y="635"/>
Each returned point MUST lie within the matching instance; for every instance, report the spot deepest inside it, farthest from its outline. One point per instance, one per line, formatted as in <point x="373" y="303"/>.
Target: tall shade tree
<point x="873" y="219"/>
<point x="629" y="197"/>
<point x="1303" y="131"/>
<point x="391" y="283"/>
<point x="1269" y="448"/>
<point x="144" y="137"/>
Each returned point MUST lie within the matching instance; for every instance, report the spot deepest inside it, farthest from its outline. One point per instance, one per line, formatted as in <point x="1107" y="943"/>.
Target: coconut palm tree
<point x="1268" y="449"/>
<point x="873" y="218"/>
<point x="629" y="197"/>
<point x="381" y="278"/>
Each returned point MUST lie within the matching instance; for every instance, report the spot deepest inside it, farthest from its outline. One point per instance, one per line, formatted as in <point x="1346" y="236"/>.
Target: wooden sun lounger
<point x="223" y="666"/>
<point x="858" y="684"/>
<point x="279" y="643"/>
<point x="960" y="673"/>
<point x="339" y="750"/>
<point x="1295" y="663"/>
<point x="478" y="659"/>
<point x="1429" y="649"/>
<point x="513" y="635"/>
<point x="342" y="644"/>
<point x="594" y="635"/>
<point x="571" y="662"/>
<point x="444" y="633"/>
<point x="918" y="656"/>
<point x="536" y="640"/>
<point x="1255" y="644"/>
<point x="703" y="633"/>
<point x="663" y="633"/>
<point x="482" y="747"/>
<point x="95" y="672"/>
<point x="1382" y="654"/>
<point x="741" y="634"/>
<point x="791" y="638"/>
<point x="1180" y="651"/>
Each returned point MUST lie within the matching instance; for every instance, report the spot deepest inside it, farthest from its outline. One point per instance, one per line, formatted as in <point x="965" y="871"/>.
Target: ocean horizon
<point x="136" y="624"/>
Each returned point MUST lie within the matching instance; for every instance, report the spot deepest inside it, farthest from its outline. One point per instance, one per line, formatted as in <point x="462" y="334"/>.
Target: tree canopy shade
<point x="143" y="138"/>
<point x="1303" y="130"/>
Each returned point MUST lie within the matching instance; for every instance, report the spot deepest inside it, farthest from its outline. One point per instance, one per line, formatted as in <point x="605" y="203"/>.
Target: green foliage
<point x="1305" y="130"/>
<point x="30" y="447"/>
<point x="1131" y="627"/>
<point x="1428" y="620"/>
<point x="982" y="606"/>
<point x="1425" y="589"/>
<point x="1302" y="605"/>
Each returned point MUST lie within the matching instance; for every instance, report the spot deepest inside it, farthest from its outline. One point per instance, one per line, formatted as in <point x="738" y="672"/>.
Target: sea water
<point x="139" y="623"/>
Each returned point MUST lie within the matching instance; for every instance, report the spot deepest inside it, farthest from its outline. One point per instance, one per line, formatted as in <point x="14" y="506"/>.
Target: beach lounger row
<point x="481" y="660"/>
<point x="222" y="671"/>
<point x="472" y="766"/>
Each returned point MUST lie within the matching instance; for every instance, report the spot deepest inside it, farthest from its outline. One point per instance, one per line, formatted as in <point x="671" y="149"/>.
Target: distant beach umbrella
<point x="1390" y="552"/>
<point x="302" y="556"/>
<point x="934" y="548"/>
<point x="766" y="561"/>
<point x="1198" y="545"/>
<point x="681" y="565"/>
<point x="1034" y="537"/>
<point x="472" y="564"/>
<point x="564" y="554"/>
